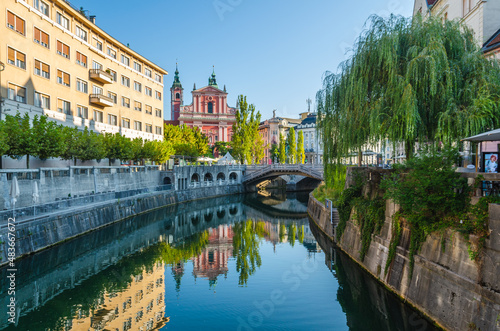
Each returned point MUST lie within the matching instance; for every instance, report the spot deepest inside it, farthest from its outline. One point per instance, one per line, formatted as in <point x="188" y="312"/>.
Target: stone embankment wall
<point x="38" y="234"/>
<point x="454" y="291"/>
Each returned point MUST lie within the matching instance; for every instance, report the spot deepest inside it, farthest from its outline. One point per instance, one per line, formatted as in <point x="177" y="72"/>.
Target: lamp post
<point x="2" y="68"/>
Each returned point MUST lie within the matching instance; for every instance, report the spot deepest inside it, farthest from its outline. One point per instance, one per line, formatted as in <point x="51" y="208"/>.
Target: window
<point x="125" y="60"/>
<point x="42" y="100"/>
<point x="62" y="78"/>
<point x="63" y="106"/>
<point x="137" y="66"/>
<point x="16" y="93"/>
<point x="16" y="58"/>
<point x="137" y="126"/>
<point x="126" y="123"/>
<point x="81" y="59"/>
<point x="62" y="49"/>
<point x="148" y="72"/>
<point x="98" y="44"/>
<point x="62" y="21"/>
<point x="148" y="91"/>
<point x="96" y="65"/>
<point x="137" y="106"/>
<point x="81" y="86"/>
<point x="15" y="23"/>
<point x="112" y="120"/>
<point x="81" y="33"/>
<point x="149" y="128"/>
<point x="41" y="37"/>
<point x="137" y="86"/>
<point x="113" y="74"/>
<point x="112" y="96"/>
<point x="41" y="6"/>
<point x="126" y="102"/>
<point x="158" y="95"/>
<point x="83" y="112"/>
<point x="112" y="53"/>
<point x="125" y="81"/>
<point x="158" y="78"/>
<point x="158" y="112"/>
<point x="149" y="110"/>
<point x="96" y="90"/>
<point x="98" y="116"/>
<point x="210" y="107"/>
<point x="158" y="130"/>
<point x="42" y="69"/>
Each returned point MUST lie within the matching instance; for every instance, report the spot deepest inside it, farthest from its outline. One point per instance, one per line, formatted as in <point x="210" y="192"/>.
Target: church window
<point x="210" y="107"/>
<point x="177" y="96"/>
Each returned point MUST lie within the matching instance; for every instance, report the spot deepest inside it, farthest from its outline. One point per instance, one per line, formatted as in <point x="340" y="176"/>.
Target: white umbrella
<point x="35" y="195"/>
<point x="35" y="192"/>
<point x="14" y="191"/>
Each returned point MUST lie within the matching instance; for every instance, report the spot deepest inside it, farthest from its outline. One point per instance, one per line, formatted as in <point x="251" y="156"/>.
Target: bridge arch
<point x="221" y="213"/>
<point x="195" y="178"/>
<point x="208" y="217"/>
<point x="167" y="181"/>
<point x="208" y="177"/>
<point x="233" y="176"/>
<point x="221" y="176"/>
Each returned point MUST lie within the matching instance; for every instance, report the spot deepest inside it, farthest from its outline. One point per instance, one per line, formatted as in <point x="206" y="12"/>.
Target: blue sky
<point x="275" y="52"/>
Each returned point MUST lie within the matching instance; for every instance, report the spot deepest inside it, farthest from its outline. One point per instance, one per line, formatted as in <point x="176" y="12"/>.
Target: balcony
<point x="101" y="76"/>
<point x="101" y="100"/>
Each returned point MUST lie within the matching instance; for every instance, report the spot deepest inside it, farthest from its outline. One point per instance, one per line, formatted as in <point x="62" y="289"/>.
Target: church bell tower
<point x="176" y="96"/>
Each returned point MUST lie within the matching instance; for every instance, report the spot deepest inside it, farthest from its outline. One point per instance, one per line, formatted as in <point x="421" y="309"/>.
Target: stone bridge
<point x="255" y="174"/>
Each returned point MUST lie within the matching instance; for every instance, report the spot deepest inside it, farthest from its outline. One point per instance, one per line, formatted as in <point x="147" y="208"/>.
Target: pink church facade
<point x="208" y="110"/>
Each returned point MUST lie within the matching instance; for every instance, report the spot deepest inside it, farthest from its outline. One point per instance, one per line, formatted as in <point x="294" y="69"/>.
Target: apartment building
<point x="58" y="62"/>
<point x="479" y="15"/>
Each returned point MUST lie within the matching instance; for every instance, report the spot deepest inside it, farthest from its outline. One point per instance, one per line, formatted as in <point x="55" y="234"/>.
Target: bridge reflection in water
<point x="116" y="278"/>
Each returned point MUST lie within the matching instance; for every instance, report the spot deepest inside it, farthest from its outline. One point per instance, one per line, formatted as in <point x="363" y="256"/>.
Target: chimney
<point x="92" y="18"/>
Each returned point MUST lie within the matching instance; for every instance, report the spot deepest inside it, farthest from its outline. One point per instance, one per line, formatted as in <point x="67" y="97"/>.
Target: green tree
<point x="274" y="152"/>
<point x="49" y="138"/>
<point x="70" y="146"/>
<point x="292" y="146"/>
<point x="20" y="139"/>
<point x="4" y="145"/>
<point x="301" y="155"/>
<point x="409" y="81"/>
<point x="247" y="142"/>
<point x="137" y="150"/>
<point x="90" y="146"/>
<point x="158" y="151"/>
<point x="282" y="149"/>
<point x="180" y="136"/>
<point x="117" y="147"/>
<point x="223" y="147"/>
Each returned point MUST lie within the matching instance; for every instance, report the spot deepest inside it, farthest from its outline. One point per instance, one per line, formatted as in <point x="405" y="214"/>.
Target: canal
<point x="248" y="262"/>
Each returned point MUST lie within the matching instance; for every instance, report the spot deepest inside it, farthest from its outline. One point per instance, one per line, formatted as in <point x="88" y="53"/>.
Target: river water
<point x="249" y="262"/>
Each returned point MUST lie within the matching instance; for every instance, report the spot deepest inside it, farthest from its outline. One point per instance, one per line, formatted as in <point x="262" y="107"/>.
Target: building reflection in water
<point x="212" y="262"/>
<point x="141" y="306"/>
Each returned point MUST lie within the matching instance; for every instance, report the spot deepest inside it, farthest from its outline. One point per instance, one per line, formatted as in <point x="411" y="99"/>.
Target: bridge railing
<point x="257" y="171"/>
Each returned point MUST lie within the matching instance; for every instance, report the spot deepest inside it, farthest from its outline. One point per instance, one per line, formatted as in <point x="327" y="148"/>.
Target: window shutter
<point x="66" y="78"/>
<point x="19" y="25"/>
<point x="12" y="55"/>
<point x="11" y="19"/>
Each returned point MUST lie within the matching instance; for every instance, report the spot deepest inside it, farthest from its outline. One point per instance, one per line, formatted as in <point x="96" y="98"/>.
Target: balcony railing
<point x="101" y="100"/>
<point x="101" y="76"/>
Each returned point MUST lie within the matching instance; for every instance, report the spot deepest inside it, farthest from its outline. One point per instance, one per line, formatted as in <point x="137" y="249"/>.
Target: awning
<point x="493" y="135"/>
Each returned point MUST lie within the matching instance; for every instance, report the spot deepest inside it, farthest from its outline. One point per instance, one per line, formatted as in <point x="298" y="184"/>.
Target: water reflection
<point x="367" y="304"/>
<point x="245" y="247"/>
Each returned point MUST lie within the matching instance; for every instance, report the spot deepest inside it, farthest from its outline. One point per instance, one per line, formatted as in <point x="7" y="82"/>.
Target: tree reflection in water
<point x="246" y="242"/>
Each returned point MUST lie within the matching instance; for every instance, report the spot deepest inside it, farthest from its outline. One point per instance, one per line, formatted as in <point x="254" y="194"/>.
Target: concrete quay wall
<point x="447" y="286"/>
<point x="43" y="232"/>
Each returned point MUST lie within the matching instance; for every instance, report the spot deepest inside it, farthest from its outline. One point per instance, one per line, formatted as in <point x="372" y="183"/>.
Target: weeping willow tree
<point x="409" y="81"/>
